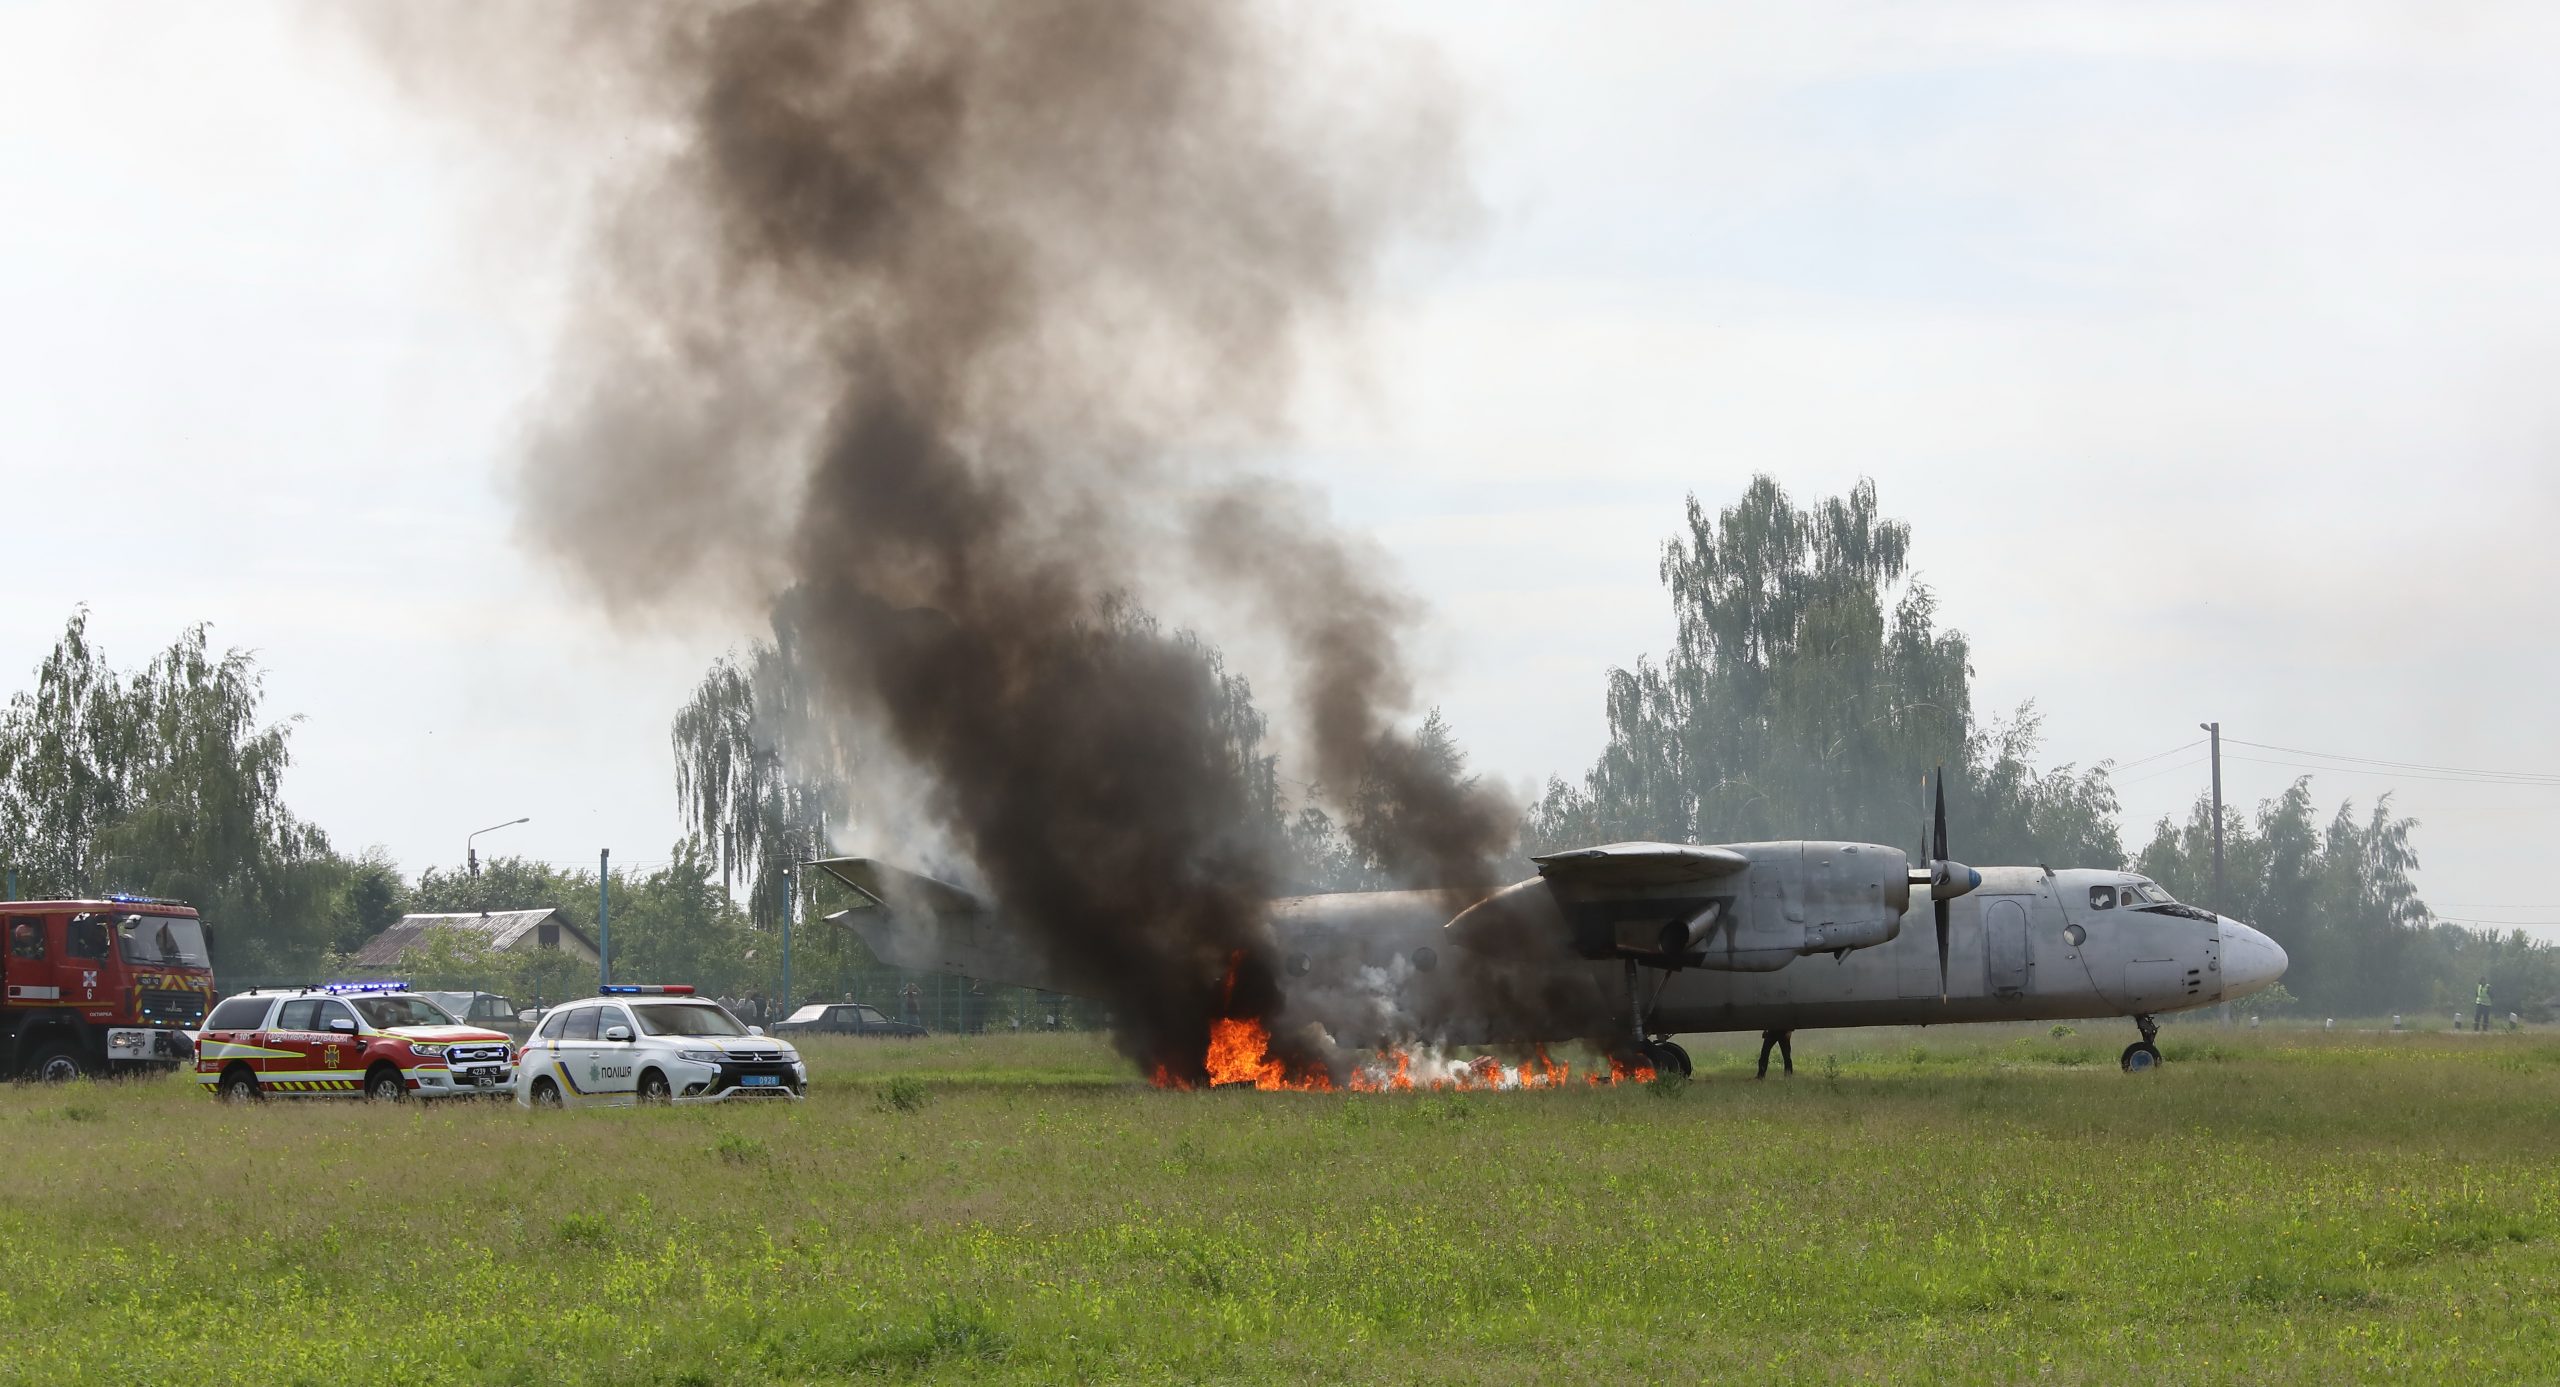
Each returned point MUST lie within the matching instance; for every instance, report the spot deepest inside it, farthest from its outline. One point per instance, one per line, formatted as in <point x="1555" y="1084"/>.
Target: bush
<point x="905" y="1093"/>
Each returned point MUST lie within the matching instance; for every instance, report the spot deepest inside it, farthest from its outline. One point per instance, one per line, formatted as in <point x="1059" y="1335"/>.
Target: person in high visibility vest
<point x="2480" y="1008"/>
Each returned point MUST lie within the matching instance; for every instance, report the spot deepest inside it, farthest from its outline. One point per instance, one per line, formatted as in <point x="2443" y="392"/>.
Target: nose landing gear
<point x="2143" y="1054"/>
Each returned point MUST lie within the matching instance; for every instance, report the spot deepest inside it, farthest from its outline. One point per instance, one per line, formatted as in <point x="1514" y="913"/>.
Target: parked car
<point x="652" y="1044"/>
<point x="377" y="1039"/>
<point x="844" y="1018"/>
<point x="487" y="1009"/>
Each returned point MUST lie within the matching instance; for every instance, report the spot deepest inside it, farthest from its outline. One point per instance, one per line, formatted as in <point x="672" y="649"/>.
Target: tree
<point x="761" y="774"/>
<point x="1807" y="694"/>
<point x="167" y="783"/>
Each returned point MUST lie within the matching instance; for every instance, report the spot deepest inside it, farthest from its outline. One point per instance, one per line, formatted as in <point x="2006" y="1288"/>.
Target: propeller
<point x="1945" y="877"/>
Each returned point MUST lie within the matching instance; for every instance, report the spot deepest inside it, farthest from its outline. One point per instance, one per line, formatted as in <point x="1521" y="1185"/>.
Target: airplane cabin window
<point x="2075" y="935"/>
<point x="2102" y="898"/>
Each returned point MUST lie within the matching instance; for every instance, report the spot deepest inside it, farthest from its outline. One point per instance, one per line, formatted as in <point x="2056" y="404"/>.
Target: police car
<point x="652" y="1044"/>
<point x="377" y="1039"/>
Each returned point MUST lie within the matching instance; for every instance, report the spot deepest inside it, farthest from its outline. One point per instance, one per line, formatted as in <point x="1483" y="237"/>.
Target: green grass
<point x="1983" y="1204"/>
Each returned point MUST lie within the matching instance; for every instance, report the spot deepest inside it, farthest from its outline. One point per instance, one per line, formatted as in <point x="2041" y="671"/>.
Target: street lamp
<point x="473" y="854"/>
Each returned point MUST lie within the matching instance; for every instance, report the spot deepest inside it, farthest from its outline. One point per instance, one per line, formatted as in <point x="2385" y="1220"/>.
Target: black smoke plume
<point x="960" y="321"/>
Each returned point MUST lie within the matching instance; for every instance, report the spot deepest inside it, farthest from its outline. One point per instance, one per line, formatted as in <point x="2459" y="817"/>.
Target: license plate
<point x="760" y="1080"/>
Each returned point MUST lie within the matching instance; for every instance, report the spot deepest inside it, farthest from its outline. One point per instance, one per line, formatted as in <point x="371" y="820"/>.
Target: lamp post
<point x="472" y="854"/>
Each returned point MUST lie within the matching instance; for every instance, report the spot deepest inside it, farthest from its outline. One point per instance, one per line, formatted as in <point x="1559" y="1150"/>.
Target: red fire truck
<point x="100" y="986"/>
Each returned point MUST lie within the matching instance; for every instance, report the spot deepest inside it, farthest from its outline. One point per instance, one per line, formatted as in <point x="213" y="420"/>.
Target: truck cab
<point x="100" y="987"/>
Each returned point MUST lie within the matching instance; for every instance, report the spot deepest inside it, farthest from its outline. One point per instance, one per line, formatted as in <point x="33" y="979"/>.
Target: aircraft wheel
<point x="2140" y="1056"/>
<point x="1667" y="1057"/>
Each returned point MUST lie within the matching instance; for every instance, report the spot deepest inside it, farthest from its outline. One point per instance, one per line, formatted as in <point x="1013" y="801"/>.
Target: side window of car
<point x="88" y="937"/>
<point x="609" y="1017"/>
<point x="300" y="1014"/>
<point x="26" y="936"/>
<point x="238" y="1014"/>
<point x="2102" y="898"/>
<point x="582" y="1024"/>
<point x="555" y="1025"/>
<point x="332" y="1012"/>
<point x="871" y="1015"/>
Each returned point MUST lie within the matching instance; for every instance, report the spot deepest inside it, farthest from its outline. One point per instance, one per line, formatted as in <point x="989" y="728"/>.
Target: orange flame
<point x="1240" y="1053"/>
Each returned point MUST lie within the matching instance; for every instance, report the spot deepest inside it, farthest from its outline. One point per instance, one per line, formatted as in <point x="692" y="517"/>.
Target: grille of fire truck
<point x="474" y="1054"/>
<point x="183" y="1008"/>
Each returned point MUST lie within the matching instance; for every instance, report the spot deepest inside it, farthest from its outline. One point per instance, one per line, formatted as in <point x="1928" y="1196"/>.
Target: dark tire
<point x="654" y="1088"/>
<point x="238" y="1086"/>
<point x="57" y="1062"/>
<point x="1678" y="1056"/>
<point x="546" y="1094"/>
<point x="384" y="1084"/>
<point x="2140" y="1057"/>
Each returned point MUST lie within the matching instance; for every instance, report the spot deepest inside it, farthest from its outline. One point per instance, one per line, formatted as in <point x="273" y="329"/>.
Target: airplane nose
<point x="2251" y="962"/>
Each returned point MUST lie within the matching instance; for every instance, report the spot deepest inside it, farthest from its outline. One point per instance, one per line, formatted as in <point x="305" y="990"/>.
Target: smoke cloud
<point x="963" y="323"/>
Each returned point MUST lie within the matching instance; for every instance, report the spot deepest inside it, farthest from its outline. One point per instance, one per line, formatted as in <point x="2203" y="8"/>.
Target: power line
<point x="2188" y="764"/>
<point x="2480" y="779"/>
<point x="2183" y="746"/>
<point x="2465" y="772"/>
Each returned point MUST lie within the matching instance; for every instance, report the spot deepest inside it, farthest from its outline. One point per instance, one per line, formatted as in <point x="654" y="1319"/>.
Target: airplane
<point x="1735" y="937"/>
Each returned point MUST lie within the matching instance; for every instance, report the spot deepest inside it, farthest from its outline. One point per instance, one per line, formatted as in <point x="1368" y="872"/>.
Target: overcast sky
<point x="2205" y="347"/>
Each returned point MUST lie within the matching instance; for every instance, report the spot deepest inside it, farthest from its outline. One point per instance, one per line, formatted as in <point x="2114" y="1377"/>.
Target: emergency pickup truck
<point x="377" y="1039"/>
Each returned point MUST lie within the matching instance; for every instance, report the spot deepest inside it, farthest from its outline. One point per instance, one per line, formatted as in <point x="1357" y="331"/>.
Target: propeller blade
<point x="1940" y="908"/>
<point x="1938" y="840"/>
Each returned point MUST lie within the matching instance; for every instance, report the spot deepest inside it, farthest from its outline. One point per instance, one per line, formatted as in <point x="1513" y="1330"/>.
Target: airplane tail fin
<point x="910" y="920"/>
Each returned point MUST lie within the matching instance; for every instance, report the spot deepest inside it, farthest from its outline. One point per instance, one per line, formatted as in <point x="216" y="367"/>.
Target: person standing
<point x="2480" y="1007"/>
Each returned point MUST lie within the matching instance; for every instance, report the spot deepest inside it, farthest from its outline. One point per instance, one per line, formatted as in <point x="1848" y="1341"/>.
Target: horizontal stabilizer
<point x="1640" y="864"/>
<point x="897" y="889"/>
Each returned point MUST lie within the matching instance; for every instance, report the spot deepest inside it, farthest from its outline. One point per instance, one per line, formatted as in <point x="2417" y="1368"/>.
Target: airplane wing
<point x="1639" y="864"/>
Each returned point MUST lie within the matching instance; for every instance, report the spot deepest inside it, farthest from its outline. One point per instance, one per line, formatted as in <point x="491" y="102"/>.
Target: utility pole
<point x="604" y="917"/>
<point x="2220" y="901"/>
<point x="787" y="893"/>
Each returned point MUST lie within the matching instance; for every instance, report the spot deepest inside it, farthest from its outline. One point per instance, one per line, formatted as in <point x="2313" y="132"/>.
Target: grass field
<point x="1976" y="1205"/>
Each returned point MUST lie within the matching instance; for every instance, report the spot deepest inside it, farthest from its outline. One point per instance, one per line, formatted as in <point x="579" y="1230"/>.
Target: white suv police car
<point x="652" y="1044"/>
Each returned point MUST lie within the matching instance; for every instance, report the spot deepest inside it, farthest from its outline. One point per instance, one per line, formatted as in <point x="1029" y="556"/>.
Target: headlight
<point x="425" y="1047"/>
<point x="701" y="1056"/>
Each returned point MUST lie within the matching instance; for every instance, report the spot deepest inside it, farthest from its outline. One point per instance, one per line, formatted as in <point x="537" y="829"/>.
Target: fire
<point x="1240" y="1053"/>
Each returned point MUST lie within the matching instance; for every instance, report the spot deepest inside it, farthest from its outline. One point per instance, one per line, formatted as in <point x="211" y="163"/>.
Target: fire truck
<point x="101" y="987"/>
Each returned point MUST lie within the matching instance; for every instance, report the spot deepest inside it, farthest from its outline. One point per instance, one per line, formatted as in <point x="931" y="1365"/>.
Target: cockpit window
<point x="2147" y="894"/>
<point x="2102" y="898"/>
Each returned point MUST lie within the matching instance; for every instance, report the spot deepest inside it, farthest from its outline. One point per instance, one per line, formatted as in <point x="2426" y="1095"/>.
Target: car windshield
<point x="685" y="1018"/>
<point x="806" y="1014"/>
<point x="166" y="939"/>
<point x="400" y="1009"/>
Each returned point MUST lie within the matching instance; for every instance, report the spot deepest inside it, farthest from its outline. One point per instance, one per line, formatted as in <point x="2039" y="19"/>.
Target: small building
<point x="509" y="930"/>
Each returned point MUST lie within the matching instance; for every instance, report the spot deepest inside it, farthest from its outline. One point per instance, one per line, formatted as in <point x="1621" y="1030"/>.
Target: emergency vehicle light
<point x="626" y="989"/>
<point x="365" y="987"/>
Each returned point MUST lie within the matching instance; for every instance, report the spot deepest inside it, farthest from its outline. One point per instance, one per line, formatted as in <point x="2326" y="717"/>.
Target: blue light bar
<point x="343" y="987"/>
<point x="655" y="989"/>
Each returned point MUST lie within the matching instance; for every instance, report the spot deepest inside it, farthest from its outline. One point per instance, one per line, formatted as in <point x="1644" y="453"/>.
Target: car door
<point x="616" y="1069"/>
<point x="870" y="1021"/>
<point x="575" y="1054"/>
<point x="290" y="1054"/>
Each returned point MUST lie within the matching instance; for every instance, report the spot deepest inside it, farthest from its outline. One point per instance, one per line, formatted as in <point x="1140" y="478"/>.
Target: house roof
<point x="503" y="928"/>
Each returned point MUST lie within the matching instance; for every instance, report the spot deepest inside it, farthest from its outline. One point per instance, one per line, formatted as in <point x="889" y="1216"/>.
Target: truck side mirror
<point x="342" y="1025"/>
<point x="528" y="1015"/>
<point x="755" y="1030"/>
<point x="617" y="1032"/>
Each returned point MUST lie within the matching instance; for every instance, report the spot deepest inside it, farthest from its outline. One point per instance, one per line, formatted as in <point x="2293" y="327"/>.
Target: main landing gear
<point x="1660" y="1053"/>
<point x="2143" y="1054"/>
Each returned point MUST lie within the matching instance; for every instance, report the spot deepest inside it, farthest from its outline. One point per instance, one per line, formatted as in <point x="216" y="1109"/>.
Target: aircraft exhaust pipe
<point x="1681" y="936"/>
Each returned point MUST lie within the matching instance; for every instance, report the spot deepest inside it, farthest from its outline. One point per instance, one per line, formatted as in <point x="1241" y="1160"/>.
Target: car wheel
<point x="238" y="1085"/>
<point x="546" y="1094"/>
<point x="654" y="1087"/>
<point x="383" y="1084"/>
<point x="57" y="1063"/>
